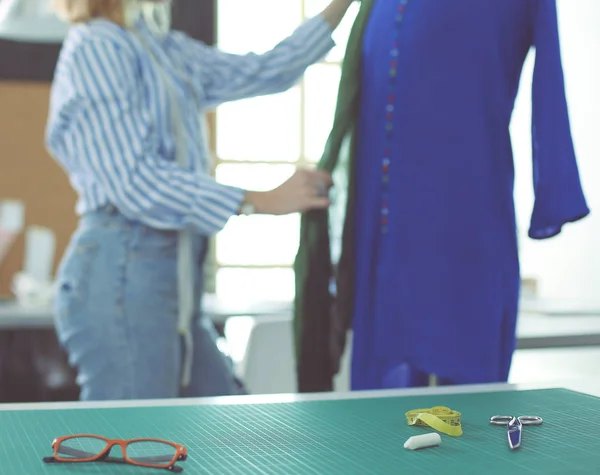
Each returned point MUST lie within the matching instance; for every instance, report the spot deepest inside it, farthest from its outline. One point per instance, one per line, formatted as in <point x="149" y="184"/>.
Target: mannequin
<point x="428" y="275"/>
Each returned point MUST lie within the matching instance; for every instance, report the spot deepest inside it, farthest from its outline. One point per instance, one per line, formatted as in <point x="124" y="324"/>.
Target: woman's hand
<point x="335" y="11"/>
<point x="304" y="191"/>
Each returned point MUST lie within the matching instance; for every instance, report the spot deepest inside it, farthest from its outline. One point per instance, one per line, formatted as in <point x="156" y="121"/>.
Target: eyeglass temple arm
<point x="172" y="468"/>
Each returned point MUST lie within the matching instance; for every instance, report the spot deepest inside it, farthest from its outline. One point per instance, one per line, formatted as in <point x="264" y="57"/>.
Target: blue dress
<point x="437" y="269"/>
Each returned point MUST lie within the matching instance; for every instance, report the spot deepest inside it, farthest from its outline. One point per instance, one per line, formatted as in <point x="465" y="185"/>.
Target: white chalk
<point x="423" y="441"/>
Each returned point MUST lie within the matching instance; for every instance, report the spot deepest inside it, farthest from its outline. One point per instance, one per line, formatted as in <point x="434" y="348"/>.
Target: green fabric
<point x="349" y="437"/>
<point x="319" y="324"/>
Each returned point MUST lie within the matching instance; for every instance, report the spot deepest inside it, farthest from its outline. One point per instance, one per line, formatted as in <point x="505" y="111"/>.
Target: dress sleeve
<point x="109" y="133"/>
<point x="559" y="197"/>
<point x="224" y="77"/>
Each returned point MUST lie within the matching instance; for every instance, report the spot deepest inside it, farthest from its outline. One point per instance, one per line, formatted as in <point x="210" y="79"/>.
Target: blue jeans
<point x="116" y="314"/>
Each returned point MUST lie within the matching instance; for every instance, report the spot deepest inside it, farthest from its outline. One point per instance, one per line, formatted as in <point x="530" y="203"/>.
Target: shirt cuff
<point x="316" y="34"/>
<point x="213" y="214"/>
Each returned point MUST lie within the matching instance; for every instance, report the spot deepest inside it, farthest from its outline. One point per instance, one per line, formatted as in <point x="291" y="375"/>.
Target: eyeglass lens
<point x="151" y="452"/>
<point x="146" y="452"/>
<point x="81" y="448"/>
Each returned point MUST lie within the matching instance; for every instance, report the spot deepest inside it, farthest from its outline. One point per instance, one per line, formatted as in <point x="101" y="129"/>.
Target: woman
<point x="428" y="277"/>
<point x="124" y="124"/>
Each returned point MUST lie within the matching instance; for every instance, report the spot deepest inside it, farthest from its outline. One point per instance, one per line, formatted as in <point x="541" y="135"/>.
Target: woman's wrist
<point x="335" y="11"/>
<point x="255" y="202"/>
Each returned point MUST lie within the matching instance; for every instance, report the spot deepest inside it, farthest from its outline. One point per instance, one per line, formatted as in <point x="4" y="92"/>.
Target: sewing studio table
<point x="334" y="433"/>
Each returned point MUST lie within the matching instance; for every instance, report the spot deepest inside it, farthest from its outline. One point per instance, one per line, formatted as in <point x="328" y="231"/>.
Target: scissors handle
<point x="525" y="420"/>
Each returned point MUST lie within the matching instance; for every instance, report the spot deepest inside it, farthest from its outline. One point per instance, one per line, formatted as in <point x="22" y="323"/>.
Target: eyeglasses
<point x="150" y="453"/>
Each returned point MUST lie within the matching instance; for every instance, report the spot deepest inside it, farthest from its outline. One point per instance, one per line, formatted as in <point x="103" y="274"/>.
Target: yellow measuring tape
<point x="443" y="419"/>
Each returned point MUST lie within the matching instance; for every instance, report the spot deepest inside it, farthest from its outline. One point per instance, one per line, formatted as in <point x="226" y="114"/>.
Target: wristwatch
<point x="247" y="208"/>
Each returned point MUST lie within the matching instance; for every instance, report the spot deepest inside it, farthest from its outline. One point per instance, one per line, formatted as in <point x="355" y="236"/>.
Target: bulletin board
<point x="27" y="172"/>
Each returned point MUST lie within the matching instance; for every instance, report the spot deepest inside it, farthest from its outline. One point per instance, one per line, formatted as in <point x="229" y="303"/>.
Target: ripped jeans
<point x="116" y="314"/>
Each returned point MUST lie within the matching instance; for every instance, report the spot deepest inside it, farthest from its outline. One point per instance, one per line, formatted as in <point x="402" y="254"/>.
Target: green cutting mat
<point x="326" y="437"/>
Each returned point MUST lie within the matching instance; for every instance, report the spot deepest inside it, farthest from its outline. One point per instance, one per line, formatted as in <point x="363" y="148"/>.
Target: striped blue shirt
<point x="109" y="124"/>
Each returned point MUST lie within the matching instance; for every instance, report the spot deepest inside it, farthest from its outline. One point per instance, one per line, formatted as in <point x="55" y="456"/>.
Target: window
<point x="260" y="141"/>
<point x="30" y="21"/>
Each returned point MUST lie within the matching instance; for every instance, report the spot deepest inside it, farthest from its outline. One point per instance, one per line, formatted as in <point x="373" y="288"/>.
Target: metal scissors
<point x="514" y="426"/>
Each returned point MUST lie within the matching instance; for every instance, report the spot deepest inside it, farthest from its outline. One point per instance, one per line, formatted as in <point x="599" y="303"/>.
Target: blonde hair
<point x="78" y="11"/>
<point x="124" y="12"/>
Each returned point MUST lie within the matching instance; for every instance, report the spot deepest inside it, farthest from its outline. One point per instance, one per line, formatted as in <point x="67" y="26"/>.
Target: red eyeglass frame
<point x="179" y="456"/>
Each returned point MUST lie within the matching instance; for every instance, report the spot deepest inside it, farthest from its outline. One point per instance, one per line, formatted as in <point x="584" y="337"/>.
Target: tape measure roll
<point x="441" y="418"/>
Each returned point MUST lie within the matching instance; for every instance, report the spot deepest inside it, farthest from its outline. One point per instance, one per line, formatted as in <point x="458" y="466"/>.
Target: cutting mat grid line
<point x="359" y="436"/>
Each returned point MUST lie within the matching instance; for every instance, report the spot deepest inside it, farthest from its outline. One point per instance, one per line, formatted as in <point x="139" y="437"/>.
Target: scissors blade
<point x="515" y="432"/>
